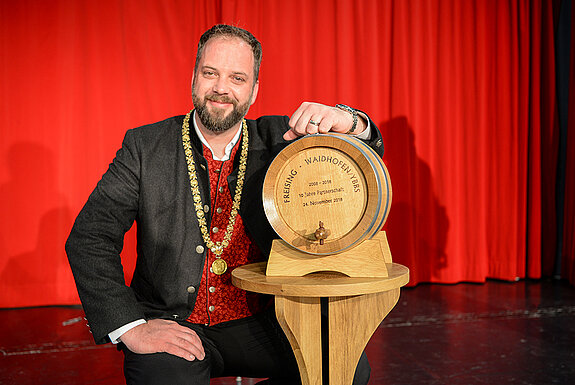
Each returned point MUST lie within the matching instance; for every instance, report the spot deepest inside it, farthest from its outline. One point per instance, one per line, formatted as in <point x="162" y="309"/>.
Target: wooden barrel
<point x="334" y="179"/>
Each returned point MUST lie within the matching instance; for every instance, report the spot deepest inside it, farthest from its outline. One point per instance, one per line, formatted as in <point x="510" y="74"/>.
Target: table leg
<point x="352" y="322"/>
<point x="300" y="319"/>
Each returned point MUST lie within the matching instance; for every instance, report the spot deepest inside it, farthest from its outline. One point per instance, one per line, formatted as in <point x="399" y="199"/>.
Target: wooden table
<point x="356" y="307"/>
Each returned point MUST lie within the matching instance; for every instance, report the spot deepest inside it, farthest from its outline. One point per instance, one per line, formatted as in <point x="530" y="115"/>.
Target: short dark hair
<point x="231" y="31"/>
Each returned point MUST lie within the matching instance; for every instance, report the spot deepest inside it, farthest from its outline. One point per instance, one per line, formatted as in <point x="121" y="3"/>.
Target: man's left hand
<point x="314" y="118"/>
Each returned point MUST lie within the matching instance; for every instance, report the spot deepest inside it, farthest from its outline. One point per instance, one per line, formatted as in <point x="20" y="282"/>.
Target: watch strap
<point x="353" y="113"/>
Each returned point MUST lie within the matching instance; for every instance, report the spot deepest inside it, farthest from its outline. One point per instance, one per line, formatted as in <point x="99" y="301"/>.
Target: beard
<point x="217" y="121"/>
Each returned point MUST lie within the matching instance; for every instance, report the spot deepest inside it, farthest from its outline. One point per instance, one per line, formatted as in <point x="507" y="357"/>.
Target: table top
<point x="253" y="277"/>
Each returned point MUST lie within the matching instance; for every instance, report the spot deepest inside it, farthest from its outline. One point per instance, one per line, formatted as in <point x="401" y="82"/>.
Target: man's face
<point x="223" y="86"/>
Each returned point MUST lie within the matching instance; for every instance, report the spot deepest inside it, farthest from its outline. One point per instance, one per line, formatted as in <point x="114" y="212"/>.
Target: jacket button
<point x="191" y="289"/>
<point x="175" y="316"/>
<point x="199" y="249"/>
<point x="206" y="208"/>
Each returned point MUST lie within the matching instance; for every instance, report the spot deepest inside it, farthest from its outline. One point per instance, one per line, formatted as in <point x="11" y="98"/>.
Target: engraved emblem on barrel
<point x="329" y="179"/>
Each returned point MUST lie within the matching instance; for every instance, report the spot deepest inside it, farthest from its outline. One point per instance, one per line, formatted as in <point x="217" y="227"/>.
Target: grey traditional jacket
<point x="148" y="183"/>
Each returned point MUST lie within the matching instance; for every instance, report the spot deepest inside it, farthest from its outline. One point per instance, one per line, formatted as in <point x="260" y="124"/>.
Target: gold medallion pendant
<point x="219" y="266"/>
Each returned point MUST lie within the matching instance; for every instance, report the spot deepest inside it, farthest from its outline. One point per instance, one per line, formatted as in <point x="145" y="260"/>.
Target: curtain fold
<point x="464" y="93"/>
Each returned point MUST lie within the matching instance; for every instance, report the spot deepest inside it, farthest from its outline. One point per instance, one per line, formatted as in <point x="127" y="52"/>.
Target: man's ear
<point x="255" y="93"/>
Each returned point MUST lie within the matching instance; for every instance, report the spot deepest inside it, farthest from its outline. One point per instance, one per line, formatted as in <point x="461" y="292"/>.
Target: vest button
<point x="220" y="189"/>
<point x="191" y="289"/>
<point x="211" y="308"/>
<point x="215" y="229"/>
<point x="212" y="289"/>
<point x="219" y="210"/>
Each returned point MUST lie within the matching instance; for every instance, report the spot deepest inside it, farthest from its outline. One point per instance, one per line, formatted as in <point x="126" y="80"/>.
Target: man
<point x="193" y="185"/>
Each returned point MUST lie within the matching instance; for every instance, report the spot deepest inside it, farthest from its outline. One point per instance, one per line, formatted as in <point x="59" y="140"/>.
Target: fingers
<point x="326" y="125"/>
<point x="185" y="348"/>
<point x="315" y="125"/>
<point x="314" y="118"/>
<point x="158" y="336"/>
<point x="185" y="343"/>
<point x="300" y="120"/>
<point x="290" y="135"/>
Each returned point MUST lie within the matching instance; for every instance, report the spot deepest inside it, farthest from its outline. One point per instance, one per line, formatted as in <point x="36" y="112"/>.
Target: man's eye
<point x="239" y="79"/>
<point x="209" y="73"/>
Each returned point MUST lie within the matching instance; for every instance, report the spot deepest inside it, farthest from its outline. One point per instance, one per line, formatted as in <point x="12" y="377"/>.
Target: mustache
<point x="220" y="99"/>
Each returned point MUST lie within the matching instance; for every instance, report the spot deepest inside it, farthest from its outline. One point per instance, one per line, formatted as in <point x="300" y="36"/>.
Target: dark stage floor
<point x="493" y="333"/>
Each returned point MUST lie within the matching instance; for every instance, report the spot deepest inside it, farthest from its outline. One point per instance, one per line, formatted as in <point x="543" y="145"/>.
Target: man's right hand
<point x="164" y="336"/>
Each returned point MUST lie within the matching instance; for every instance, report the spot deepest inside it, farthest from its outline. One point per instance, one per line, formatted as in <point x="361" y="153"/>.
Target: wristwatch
<point x="353" y="113"/>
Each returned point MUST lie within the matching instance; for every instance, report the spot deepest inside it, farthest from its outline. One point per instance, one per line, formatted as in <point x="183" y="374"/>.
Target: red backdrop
<point x="462" y="91"/>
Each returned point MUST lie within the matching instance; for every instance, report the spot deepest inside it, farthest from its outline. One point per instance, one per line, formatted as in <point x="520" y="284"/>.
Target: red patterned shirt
<point x="218" y="300"/>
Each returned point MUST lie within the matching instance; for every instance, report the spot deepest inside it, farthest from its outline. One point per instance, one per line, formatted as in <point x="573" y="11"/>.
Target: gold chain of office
<point x="216" y="247"/>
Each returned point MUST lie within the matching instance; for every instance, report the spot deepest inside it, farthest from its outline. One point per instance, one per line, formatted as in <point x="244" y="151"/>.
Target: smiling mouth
<point x="220" y="103"/>
<point x="219" y="100"/>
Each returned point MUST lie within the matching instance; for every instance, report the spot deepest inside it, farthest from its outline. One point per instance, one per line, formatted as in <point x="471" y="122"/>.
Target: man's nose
<point x="220" y="86"/>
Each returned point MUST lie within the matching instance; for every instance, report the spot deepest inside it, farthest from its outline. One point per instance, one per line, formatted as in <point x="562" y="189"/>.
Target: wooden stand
<point x="356" y="306"/>
<point x="327" y="197"/>
<point x="368" y="259"/>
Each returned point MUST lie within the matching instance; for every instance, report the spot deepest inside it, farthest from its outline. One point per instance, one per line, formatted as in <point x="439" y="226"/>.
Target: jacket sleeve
<point x="96" y="240"/>
<point x="375" y="141"/>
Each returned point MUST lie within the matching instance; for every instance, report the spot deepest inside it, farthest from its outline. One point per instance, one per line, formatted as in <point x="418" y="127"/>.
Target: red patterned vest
<point x="218" y="300"/>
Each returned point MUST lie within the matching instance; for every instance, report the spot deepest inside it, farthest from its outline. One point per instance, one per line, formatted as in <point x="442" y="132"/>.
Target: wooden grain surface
<point x="352" y="322"/>
<point x="368" y="259"/>
<point x="356" y="306"/>
<point x="253" y="278"/>
<point x="300" y="319"/>
<point x="334" y="179"/>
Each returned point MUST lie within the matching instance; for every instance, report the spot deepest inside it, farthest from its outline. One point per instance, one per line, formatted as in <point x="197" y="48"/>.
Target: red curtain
<point x="462" y="91"/>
